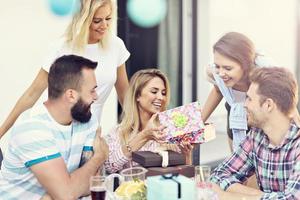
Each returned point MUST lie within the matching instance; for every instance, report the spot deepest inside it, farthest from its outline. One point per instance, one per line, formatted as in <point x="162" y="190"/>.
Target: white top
<point x="106" y="72"/>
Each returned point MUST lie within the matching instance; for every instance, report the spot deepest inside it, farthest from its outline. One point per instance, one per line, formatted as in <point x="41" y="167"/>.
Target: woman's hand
<point x="153" y="131"/>
<point x="187" y="149"/>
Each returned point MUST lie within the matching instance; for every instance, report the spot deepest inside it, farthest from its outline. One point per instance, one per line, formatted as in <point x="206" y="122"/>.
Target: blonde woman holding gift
<point x="139" y="130"/>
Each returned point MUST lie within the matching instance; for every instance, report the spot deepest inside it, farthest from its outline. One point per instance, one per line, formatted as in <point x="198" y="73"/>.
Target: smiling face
<point x="256" y="115"/>
<point x="153" y="97"/>
<point x="230" y="71"/>
<point x="100" y="23"/>
<point x="81" y="110"/>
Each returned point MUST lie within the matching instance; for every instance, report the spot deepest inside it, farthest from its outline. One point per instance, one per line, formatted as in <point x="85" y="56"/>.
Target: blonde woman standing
<point x="89" y="35"/>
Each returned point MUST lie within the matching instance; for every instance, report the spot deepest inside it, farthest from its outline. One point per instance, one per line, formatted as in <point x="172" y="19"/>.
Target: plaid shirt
<point x="277" y="169"/>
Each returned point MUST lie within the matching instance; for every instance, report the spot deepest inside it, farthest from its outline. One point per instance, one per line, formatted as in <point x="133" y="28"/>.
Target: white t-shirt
<point x="108" y="59"/>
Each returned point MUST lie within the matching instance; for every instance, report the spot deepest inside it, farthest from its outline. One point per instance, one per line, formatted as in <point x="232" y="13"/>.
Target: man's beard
<point x="81" y="111"/>
<point x="253" y="121"/>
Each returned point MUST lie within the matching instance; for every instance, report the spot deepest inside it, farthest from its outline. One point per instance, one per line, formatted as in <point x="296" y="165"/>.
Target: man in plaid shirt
<point x="271" y="151"/>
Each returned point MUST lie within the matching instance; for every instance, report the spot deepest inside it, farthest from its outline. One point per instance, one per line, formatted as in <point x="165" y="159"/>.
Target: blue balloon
<point x="64" y="7"/>
<point x="146" y="13"/>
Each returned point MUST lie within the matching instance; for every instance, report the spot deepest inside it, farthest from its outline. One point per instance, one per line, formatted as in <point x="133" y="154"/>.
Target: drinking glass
<point x="202" y="174"/>
<point x="203" y="186"/>
<point x="97" y="187"/>
<point x="134" y="173"/>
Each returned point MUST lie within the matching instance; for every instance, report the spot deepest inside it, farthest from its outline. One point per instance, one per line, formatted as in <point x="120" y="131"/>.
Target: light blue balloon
<point x="146" y="13"/>
<point x="64" y="7"/>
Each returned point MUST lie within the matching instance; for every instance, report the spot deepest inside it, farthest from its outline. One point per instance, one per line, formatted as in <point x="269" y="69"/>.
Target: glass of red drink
<point x="97" y="187"/>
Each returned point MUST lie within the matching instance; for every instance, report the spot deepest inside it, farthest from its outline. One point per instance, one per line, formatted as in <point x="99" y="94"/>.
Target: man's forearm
<point x="225" y="195"/>
<point x="238" y="196"/>
<point x="80" y="177"/>
<point x="242" y="189"/>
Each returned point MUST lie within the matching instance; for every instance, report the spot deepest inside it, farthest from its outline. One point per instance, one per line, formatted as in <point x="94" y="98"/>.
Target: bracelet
<point x="129" y="149"/>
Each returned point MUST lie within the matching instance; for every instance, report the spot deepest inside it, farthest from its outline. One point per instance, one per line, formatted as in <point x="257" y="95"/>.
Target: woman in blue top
<point x="234" y="58"/>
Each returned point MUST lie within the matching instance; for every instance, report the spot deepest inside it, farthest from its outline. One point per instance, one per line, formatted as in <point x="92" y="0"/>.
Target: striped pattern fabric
<point x="36" y="137"/>
<point x="239" y="136"/>
<point x="117" y="160"/>
<point x="277" y="168"/>
<point x="238" y="114"/>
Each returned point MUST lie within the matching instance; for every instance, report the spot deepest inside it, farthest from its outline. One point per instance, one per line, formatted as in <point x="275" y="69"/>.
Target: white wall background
<point x="27" y="29"/>
<point x="270" y="24"/>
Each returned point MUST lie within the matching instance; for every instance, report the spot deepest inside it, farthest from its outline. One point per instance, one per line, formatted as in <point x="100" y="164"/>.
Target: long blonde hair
<point x="131" y="123"/>
<point x="77" y="33"/>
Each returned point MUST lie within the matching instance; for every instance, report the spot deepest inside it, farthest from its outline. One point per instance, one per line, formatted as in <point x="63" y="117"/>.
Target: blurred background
<point x="174" y="35"/>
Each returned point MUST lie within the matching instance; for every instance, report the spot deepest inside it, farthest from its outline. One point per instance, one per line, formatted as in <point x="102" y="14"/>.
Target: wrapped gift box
<point x="151" y="159"/>
<point x="170" y="187"/>
<point x="185" y="170"/>
<point x="183" y="123"/>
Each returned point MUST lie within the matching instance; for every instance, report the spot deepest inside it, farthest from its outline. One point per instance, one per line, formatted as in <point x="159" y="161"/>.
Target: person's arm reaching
<point x="27" y="100"/>
<point x="120" y="154"/>
<point x="290" y="192"/>
<point x="121" y="84"/>
<point x="228" y="178"/>
<point x="235" y="169"/>
<point x="212" y="101"/>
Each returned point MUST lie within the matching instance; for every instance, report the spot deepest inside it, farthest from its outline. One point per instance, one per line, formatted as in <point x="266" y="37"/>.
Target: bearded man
<point x="47" y="141"/>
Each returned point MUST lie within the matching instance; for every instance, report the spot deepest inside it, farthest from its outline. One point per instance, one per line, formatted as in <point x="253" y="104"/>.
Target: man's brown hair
<point x="278" y="84"/>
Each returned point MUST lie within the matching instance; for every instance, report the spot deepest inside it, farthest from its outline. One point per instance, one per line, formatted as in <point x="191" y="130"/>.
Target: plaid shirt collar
<point x="290" y="135"/>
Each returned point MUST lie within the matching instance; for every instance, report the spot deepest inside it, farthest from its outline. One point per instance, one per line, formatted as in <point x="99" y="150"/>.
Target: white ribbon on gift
<point x="162" y="151"/>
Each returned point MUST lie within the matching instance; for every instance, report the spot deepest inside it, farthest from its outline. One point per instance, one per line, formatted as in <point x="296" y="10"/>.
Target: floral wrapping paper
<point x="183" y="123"/>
